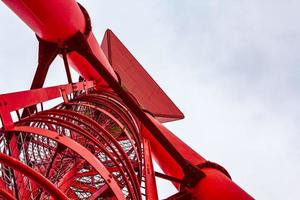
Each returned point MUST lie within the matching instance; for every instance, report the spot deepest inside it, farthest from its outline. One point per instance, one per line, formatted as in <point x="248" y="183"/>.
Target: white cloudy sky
<point x="231" y="66"/>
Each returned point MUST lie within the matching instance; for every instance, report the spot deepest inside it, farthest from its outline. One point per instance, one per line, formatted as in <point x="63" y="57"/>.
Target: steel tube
<point x="57" y="21"/>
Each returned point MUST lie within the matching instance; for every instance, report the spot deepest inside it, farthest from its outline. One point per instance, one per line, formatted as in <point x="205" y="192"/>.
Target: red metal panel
<point x="137" y="81"/>
<point x="57" y="21"/>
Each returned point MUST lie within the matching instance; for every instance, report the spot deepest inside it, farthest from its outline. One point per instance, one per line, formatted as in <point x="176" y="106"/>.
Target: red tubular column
<point x="215" y="185"/>
<point x="53" y="21"/>
<point x="57" y="21"/>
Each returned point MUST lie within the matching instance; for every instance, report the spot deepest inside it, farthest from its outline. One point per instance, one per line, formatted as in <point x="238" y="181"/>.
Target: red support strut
<point x="99" y="142"/>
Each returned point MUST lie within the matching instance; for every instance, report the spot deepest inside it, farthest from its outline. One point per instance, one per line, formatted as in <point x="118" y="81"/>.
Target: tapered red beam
<point x="47" y="53"/>
<point x="137" y="81"/>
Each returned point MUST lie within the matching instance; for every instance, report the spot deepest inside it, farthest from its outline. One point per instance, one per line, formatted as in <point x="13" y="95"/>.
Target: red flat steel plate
<point x="137" y="81"/>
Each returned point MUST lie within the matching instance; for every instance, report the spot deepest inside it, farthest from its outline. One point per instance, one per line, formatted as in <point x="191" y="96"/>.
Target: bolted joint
<point x="79" y="44"/>
<point x="192" y="175"/>
<point x="209" y="164"/>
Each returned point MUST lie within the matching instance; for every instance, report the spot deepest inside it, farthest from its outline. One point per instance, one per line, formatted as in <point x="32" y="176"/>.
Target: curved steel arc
<point x="112" y="105"/>
<point x="29" y="172"/>
<point x="6" y="195"/>
<point x="132" y="141"/>
<point x="71" y="114"/>
<point x="123" y="128"/>
<point x="121" y="160"/>
<point x="118" y="107"/>
<point x="114" y="99"/>
<point x="80" y="150"/>
<point x="81" y="131"/>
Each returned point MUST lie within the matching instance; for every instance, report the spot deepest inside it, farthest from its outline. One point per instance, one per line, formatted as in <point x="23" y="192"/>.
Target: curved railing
<point x="88" y="147"/>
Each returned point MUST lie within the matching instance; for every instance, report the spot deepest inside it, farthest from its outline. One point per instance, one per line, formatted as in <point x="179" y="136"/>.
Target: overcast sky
<point x="231" y="66"/>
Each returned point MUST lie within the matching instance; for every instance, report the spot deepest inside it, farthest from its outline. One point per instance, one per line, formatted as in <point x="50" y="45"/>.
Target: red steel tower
<point x="99" y="142"/>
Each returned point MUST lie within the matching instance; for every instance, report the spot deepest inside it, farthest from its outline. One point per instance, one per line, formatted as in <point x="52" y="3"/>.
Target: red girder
<point x="66" y="181"/>
<point x="87" y="135"/>
<point x="70" y="120"/>
<point x="98" y="193"/>
<point x="6" y="195"/>
<point x="27" y="171"/>
<point x="100" y="141"/>
<point x="80" y="150"/>
<point x="115" y="143"/>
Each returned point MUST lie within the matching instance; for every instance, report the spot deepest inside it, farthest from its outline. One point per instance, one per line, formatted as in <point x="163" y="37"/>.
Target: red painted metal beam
<point x="102" y="190"/>
<point x="57" y="21"/>
<point x="64" y="23"/>
<point x="215" y="185"/>
<point x="6" y="195"/>
<point x="29" y="172"/>
<point x="54" y="21"/>
<point x="137" y="81"/>
<point x="18" y="100"/>
<point x="151" y="188"/>
<point x="80" y="150"/>
<point x="96" y="65"/>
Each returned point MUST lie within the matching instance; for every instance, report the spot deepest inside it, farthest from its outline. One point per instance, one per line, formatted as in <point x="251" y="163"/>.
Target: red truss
<point x="100" y="141"/>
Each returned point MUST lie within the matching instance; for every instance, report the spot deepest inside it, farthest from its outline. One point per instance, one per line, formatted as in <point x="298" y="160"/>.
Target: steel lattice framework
<point x="99" y="142"/>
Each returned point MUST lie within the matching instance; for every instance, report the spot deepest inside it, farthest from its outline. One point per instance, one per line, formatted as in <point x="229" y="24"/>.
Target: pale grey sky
<point x="231" y="66"/>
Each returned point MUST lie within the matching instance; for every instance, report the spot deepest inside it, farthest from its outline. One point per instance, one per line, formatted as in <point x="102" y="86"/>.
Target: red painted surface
<point x="100" y="141"/>
<point x="30" y="173"/>
<point x="150" y="183"/>
<point x="54" y="21"/>
<point x="85" y="69"/>
<point x="57" y="21"/>
<point x="215" y="185"/>
<point x="144" y="89"/>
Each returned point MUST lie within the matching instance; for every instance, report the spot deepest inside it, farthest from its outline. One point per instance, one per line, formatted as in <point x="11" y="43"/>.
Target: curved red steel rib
<point x="80" y="150"/>
<point x="112" y="129"/>
<point x="83" y="125"/>
<point x="6" y="195"/>
<point x="29" y="172"/>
